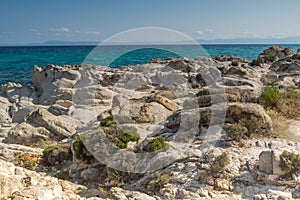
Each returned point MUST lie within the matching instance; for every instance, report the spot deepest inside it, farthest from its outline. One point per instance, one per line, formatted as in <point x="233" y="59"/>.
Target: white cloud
<point x="8" y="32"/>
<point x="88" y="32"/>
<point x="60" y="30"/>
<point x="93" y="33"/>
<point x="207" y="32"/>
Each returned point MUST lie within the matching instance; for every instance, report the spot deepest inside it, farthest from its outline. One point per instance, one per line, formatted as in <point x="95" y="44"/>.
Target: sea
<point x="16" y="63"/>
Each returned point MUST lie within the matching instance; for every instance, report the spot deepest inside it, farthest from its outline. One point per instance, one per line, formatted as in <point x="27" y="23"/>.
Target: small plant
<point x="119" y="136"/>
<point x="108" y="121"/>
<point x="158" y="181"/>
<point x="218" y="165"/>
<point x="236" y="131"/>
<point x="46" y="152"/>
<point x="63" y="175"/>
<point x="255" y="62"/>
<point x="271" y="96"/>
<point x="29" y="164"/>
<point x="290" y="162"/>
<point x="81" y="153"/>
<point x="28" y="161"/>
<point x="157" y="144"/>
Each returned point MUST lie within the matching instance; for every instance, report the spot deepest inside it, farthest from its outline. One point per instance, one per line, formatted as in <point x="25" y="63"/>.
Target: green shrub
<point x="290" y="162"/>
<point x="271" y="96"/>
<point x="119" y="136"/>
<point x="157" y="182"/>
<point x="255" y="62"/>
<point x="236" y="131"/>
<point x="46" y="152"/>
<point x="218" y="165"/>
<point x="63" y="175"/>
<point x="80" y="152"/>
<point x="156" y="144"/>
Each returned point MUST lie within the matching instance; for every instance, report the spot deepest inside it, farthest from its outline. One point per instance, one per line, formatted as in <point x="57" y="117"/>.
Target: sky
<point x="33" y="21"/>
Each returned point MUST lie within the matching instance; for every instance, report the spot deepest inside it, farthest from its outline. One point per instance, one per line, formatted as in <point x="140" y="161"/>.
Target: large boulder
<point x="27" y="134"/>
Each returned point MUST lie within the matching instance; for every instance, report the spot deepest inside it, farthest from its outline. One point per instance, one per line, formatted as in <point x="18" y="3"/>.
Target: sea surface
<point x="16" y="63"/>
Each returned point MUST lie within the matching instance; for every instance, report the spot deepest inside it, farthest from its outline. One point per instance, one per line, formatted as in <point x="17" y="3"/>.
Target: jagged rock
<point x="15" y="92"/>
<point x="27" y="134"/>
<point x="4" y="107"/>
<point x="9" y="152"/>
<point x="59" y="126"/>
<point x="22" y="114"/>
<point x="120" y="194"/>
<point x="274" y="53"/>
<point x="25" y="184"/>
<point x="231" y="58"/>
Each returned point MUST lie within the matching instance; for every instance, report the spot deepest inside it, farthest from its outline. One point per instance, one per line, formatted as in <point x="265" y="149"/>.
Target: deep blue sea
<point x="16" y="63"/>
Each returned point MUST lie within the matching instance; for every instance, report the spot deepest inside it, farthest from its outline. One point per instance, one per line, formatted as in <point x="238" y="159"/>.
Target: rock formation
<point x="170" y="129"/>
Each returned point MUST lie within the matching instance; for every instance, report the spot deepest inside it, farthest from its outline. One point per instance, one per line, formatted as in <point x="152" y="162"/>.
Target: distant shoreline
<point x="155" y="45"/>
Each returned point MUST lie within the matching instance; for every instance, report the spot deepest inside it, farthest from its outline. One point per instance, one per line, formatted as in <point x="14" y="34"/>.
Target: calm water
<point x="16" y="63"/>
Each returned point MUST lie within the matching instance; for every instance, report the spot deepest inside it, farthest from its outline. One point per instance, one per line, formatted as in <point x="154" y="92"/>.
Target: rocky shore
<point x="203" y="128"/>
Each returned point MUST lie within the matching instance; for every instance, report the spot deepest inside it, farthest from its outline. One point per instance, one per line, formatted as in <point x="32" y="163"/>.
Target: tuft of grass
<point x="290" y="162"/>
<point x="271" y="96"/>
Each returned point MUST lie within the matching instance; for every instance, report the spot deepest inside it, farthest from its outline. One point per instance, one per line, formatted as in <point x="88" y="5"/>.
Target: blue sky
<point x="30" y="21"/>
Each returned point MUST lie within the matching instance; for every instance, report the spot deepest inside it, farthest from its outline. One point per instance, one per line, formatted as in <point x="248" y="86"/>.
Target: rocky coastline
<point x="203" y="128"/>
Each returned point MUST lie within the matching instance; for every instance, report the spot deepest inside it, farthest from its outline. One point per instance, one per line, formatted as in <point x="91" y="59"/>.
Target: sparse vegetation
<point x="46" y="152"/>
<point x="289" y="106"/>
<point x="290" y="162"/>
<point x="157" y="144"/>
<point x="119" y="136"/>
<point x="254" y="125"/>
<point x="81" y="153"/>
<point x="286" y="102"/>
<point x="271" y="97"/>
<point x="28" y="161"/>
<point x="236" y="131"/>
<point x="218" y="165"/>
<point x="10" y="197"/>
<point x="157" y="182"/>
<point x="63" y="175"/>
<point x="256" y="62"/>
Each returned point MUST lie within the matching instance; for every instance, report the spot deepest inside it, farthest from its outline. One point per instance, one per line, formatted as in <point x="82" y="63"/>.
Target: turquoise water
<point x="16" y="63"/>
